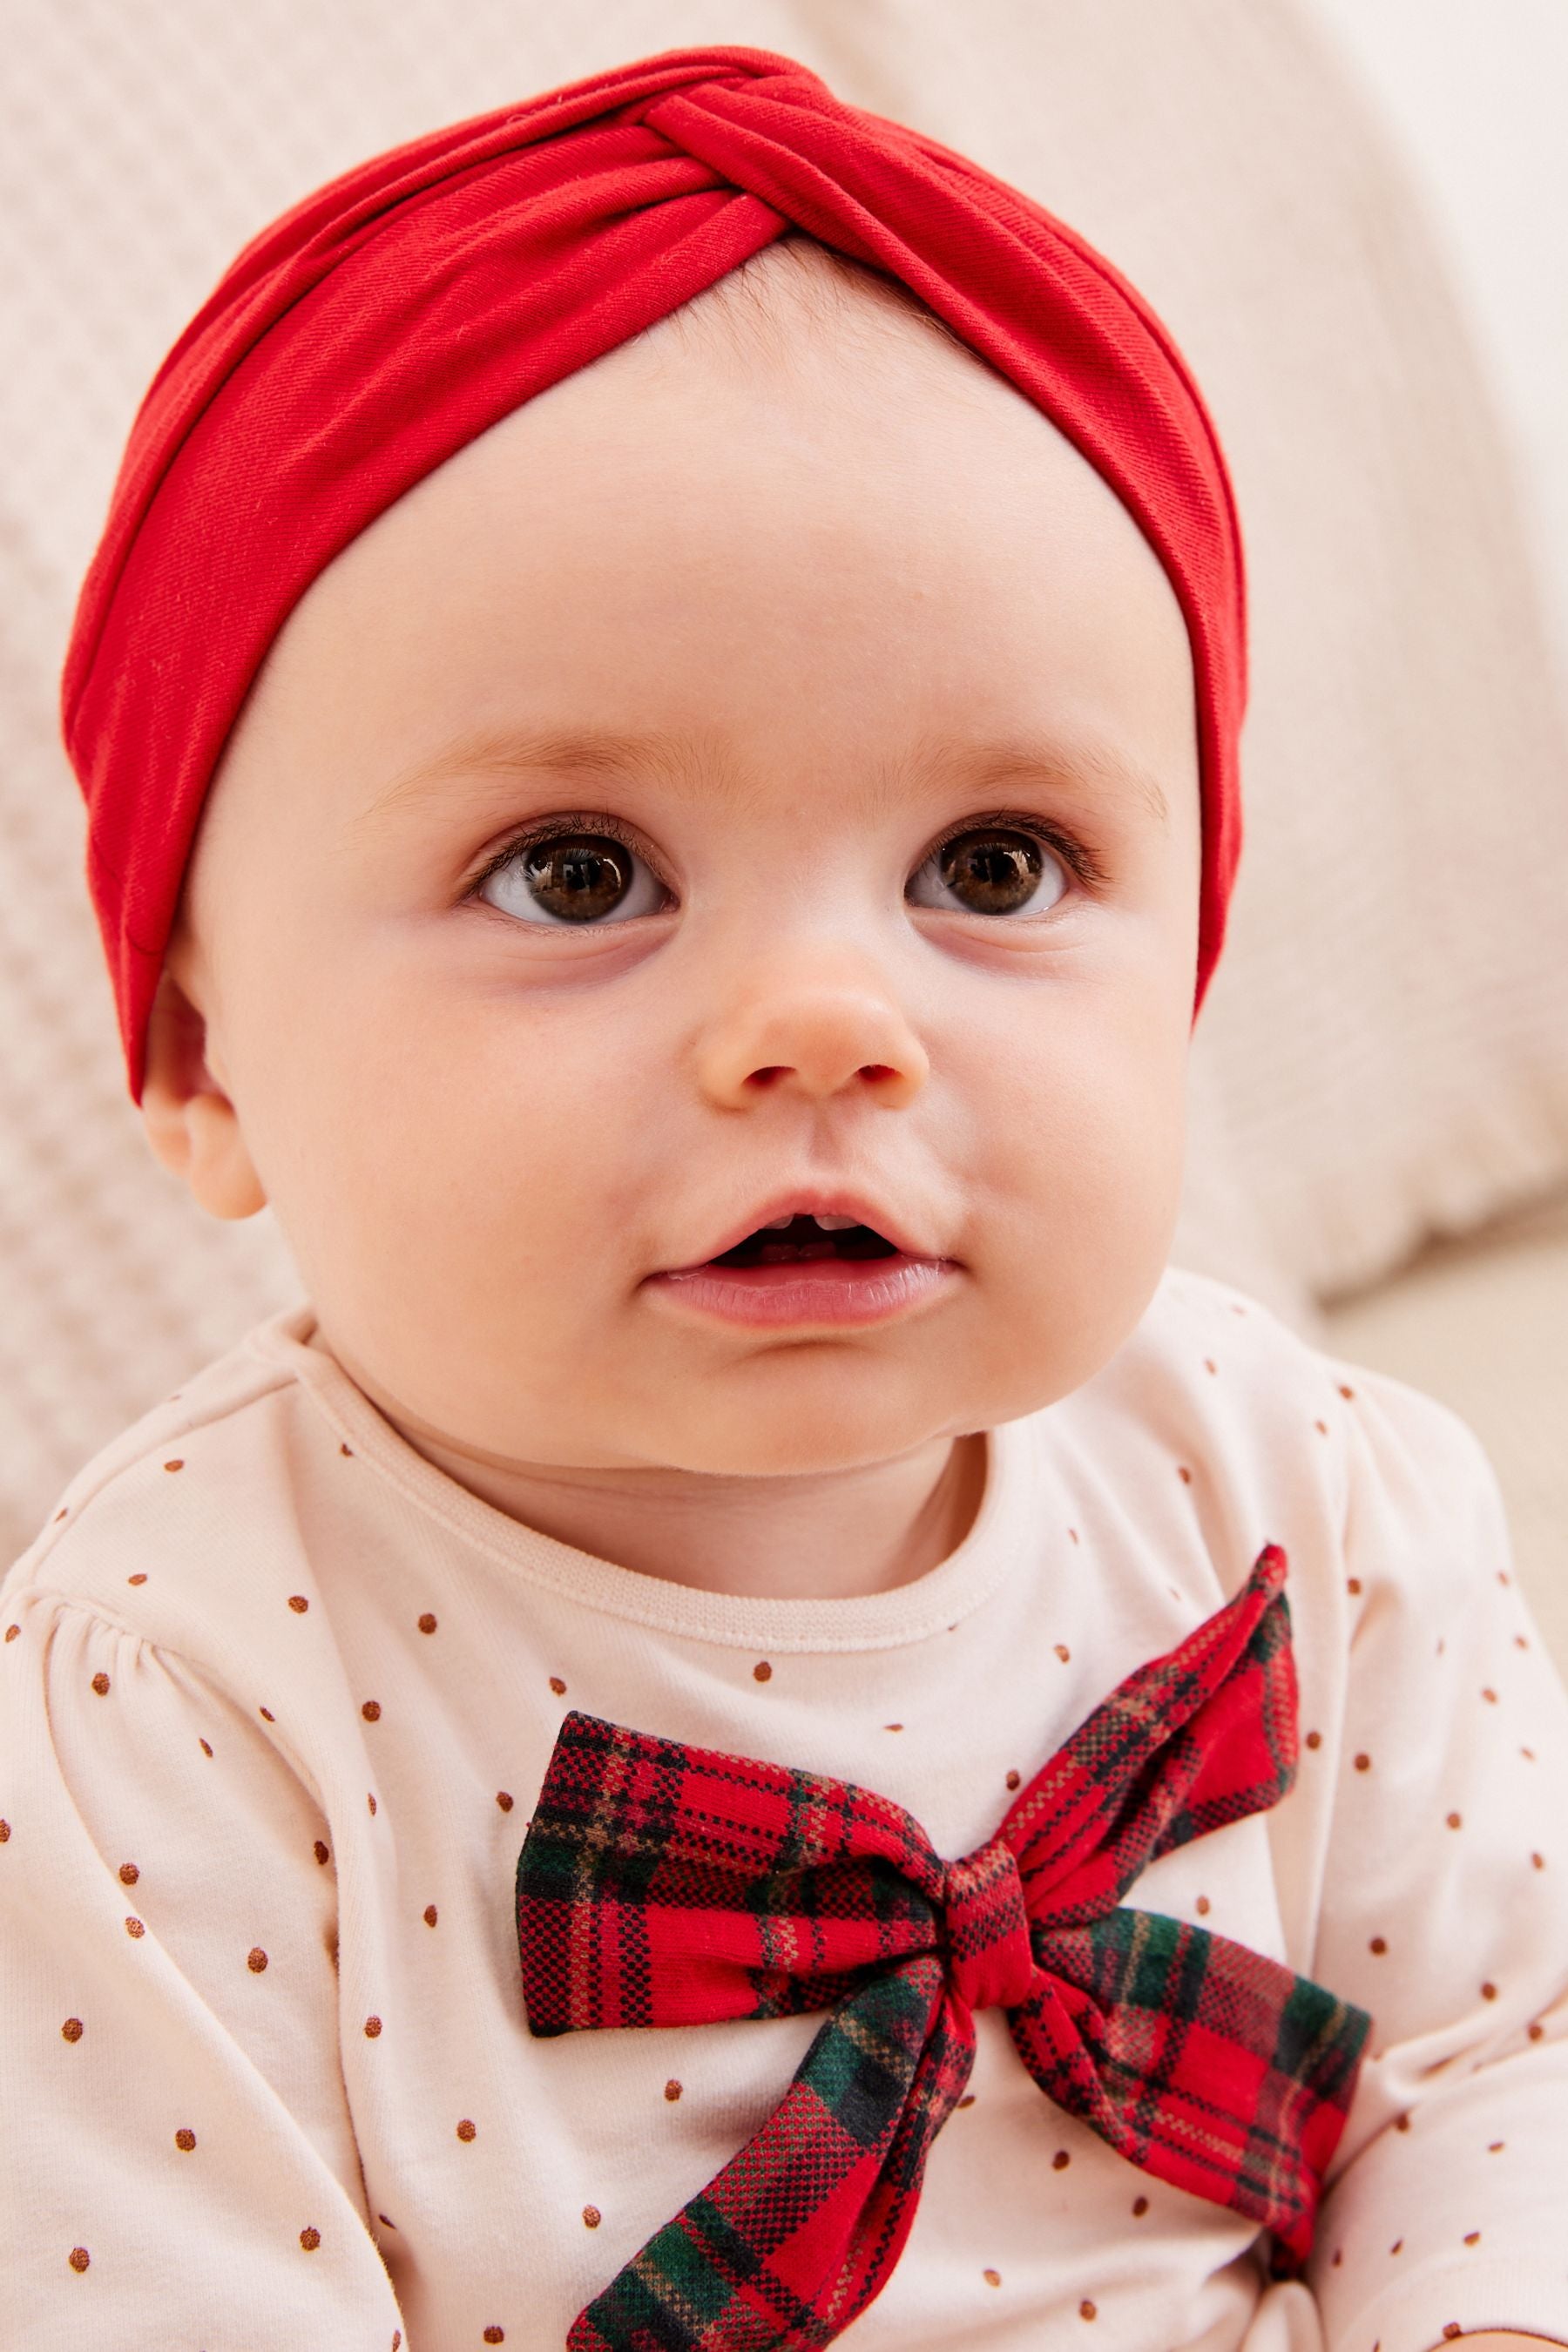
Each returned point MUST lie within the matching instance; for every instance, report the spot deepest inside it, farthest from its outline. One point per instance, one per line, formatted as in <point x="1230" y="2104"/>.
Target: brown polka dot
<point x="256" y="1960"/>
<point x="1314" y="1739"/>
<point x="297" y="1602"/>
<point x="4" y="1832"/>
<point x="672" y="2089"/>
<point x="992" y="2278"/>
<point x="427" y="1622"/>
<point x="1208" y="1363"/>
<point x="140" y="1578"/>
<point x="1528" y="1754"/>
<point x="1321" y="1427"/>
<point x="1456" y="1821"/>
<point x="1452" y="2327"/>
<point x="557" y="1685"/>
<point x="1494" y="2145"/>
<point x="762" y="1672"/>
<point x="967" y="2100"/>
<point x="59" y="1515"/>
<point x="1534" y="2032"/>
<point x="1061" y="2161"/>
<point x="371" y="1710"/>
<point x="1064" y="1654"/>
<point x="1364" y="1762"/>
<point x="1402" y="2123"/>
<point x="467" y="2129"/>
<point x="1502" y="1576"/>
<point x="78" y="2258"/>
<point x="205" y="1750"/>
<point x="1140" y="2206"/>
<point x="1538" y="1862"/>
<point x="1086" y="2309"/>
<point x="128" y="1873"/>
<point x="503" y="1799"/>
<point x="174" y="1465"/>
<point x="398" y="2339"/>
<point x="1472" y="2237"/>
<point x="321" y="1851"/>
<point x="72" y="2030"/>
<point x="495" y="2335"/>
<point x="184" y="2139"/>
<point x="892" y="1727"/>
<point x="1491" y="1697"/>
<point x="267" y="1715"/>
<point x="373" y="2028"/>
<point x="1520" y="1642"/>
<point x="1184" y="1474"/>
<point x="429" y="1915"/>
<point x="1013" y="1779"/>
<point x="134" y="1930"/>
<point x="1379" y="1944"/>
<point x="1344" y="1392"/>
<point x="1398" y="2242"/>
<point x="592" y="2217"/>
<point x="310" y="2239"/>
<point x="1488" y="1992"/>
<point x="1072" y="1533"/>
<point x="1353" y="1584"/>
<point x="346" y="1449"/>
<point x="12" y="1631"/>
<point x="1202" y="1907"/>
<point x="370" y="1800"/>
<point x="100" y="1683"/>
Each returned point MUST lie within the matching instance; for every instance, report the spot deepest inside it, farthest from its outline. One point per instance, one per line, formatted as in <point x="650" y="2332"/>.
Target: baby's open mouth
<point x="793" y="1240"/>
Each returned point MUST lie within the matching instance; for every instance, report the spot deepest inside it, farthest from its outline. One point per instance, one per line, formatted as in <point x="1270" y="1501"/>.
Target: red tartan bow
<point x="662" y="1884"/>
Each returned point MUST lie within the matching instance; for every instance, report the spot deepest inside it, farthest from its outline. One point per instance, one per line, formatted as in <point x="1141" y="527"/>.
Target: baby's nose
<point x="813" y="1034"/>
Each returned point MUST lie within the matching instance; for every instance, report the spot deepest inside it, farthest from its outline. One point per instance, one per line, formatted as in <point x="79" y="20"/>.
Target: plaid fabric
<point x="662" y="1884"/>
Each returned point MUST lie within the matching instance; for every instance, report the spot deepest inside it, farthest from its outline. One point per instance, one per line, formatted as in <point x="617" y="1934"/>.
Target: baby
<point x="754" y="1726"/>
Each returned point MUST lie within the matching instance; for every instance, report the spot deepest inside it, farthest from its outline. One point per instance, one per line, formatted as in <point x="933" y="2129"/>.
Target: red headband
<point x="406" y="307"/>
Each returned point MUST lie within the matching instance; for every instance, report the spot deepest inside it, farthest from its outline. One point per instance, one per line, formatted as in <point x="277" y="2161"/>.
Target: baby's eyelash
<point x="548" y="828"/>
<point x="1074" y="852"/>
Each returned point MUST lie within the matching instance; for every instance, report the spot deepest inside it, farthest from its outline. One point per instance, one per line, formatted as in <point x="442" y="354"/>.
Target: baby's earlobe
<point x="191" y="1123"/>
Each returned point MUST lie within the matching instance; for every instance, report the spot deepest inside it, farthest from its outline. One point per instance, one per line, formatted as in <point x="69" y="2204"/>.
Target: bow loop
<point x="991" y="1961"/>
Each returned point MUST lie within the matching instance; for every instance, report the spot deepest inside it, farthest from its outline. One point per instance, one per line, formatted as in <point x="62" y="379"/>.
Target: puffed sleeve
<point x="178" y="2157"/>
<point x="1445" y="1906"/>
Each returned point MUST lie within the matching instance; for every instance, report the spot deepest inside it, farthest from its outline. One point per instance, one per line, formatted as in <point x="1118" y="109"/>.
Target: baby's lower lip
<point x="811" y="1290"/>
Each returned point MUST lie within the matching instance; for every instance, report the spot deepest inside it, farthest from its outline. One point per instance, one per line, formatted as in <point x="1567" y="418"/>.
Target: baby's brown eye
<point x="577" y="877"/>
<point x="988" y="870"/>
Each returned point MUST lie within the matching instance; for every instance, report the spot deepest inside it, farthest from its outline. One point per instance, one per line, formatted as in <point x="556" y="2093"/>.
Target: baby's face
<point x="733" y="785"/>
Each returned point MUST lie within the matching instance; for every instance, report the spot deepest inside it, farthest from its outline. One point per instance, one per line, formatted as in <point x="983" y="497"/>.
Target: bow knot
<point x="662" y="1884"/>
<point x="991" y="1962"/>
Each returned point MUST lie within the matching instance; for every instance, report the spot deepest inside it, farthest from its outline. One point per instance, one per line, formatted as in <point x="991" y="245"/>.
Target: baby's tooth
<point x="836" y="1224"/>
<point x="776" y="1224"/>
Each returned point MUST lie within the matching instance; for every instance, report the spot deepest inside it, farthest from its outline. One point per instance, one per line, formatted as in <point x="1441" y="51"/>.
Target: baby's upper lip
<point x="810" y="1201"/>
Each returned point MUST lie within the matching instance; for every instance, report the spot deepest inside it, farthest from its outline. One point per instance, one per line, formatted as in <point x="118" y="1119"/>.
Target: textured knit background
<point x="1384" y="1053"/>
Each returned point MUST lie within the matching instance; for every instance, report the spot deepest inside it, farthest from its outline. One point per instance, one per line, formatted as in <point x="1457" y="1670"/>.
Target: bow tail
<point x="1202" y="2062"/>
<point x="799" y="2231"/>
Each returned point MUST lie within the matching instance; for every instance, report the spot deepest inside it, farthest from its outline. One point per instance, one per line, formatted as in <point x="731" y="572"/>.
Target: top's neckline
<point x="930" y="1604"/>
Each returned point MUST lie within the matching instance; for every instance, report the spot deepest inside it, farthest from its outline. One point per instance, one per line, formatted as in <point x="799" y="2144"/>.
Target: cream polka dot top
<point x="276" y="1696"/>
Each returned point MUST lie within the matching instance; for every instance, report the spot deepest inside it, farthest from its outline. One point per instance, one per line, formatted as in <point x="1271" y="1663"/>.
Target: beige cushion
<point x="1384" y="1047"/>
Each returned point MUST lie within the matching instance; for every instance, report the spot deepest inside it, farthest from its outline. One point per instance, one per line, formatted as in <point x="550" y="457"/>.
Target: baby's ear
<point x="192" y="1126"/>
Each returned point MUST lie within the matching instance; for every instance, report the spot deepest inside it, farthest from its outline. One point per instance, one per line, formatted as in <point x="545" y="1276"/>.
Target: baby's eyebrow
<point x="1089" y="769"/>
<point x="507" y="751"/>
